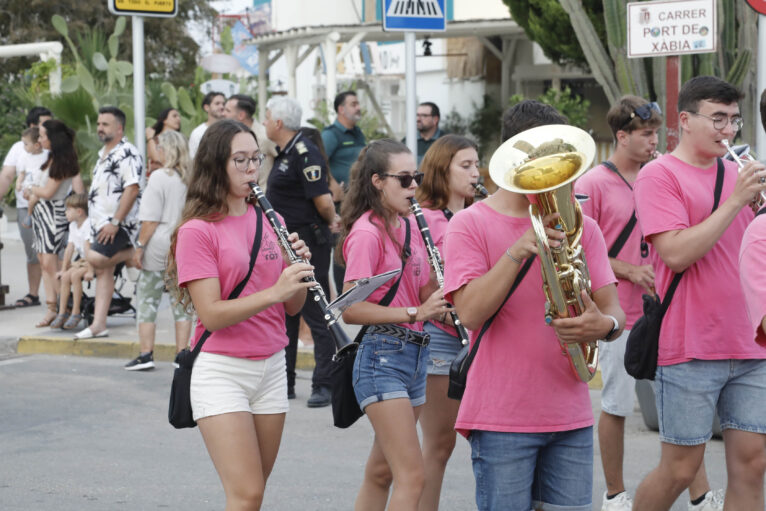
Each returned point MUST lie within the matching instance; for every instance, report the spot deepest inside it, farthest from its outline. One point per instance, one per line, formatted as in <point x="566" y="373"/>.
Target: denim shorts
<point x="524" y="471"/>
<point x="619" y="391"/>
<point x="389" y="368"/>
<point x="688" y="395"/>
<point x="442" y="349"/>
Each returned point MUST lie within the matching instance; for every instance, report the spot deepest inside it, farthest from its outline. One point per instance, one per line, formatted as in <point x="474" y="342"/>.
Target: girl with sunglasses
<point x="390" y="369"/>
<point x="450" y="169"/>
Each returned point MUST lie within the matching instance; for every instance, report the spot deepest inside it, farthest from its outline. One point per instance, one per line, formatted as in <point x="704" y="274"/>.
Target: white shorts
<point x="618" y="394"/>
<point x="223" y="384"/>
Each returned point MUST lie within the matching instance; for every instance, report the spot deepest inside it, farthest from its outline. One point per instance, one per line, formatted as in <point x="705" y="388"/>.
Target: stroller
<point x="120" y="305"/>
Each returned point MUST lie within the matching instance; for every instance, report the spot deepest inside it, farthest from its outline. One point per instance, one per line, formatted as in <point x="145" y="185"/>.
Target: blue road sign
<point x="414" y="15"/>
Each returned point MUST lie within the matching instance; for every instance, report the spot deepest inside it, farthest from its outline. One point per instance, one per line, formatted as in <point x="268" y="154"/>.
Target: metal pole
<point x="412" y="93"/>
<point x="672" y="64"/>
<point x="760" y="134"/>
<point x="139" y="113"/>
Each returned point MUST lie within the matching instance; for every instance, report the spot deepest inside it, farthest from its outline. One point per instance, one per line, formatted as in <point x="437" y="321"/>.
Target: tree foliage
<point x="173" y="52"/>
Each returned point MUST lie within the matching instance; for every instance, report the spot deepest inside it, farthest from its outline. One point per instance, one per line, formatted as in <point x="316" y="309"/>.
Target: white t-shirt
<point x="30" y="164"/>
<point x="78" y="236"/>
<point x="162" y="201"/>
<point x="195" y="137"/>
<point x="14" y="155"/>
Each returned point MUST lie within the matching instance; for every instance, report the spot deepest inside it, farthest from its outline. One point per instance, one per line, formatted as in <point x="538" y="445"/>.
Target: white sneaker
<point x="622" y="502"/>
<point x="713" y="502"/>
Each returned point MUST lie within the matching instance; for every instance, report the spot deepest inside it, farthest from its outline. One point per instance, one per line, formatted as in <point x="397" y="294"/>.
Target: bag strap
<point x="716" y="200"/>
<point x="237" y="290"/>
<point x="761" y="211"/>
<point x="389" y="297"/>
<point x="611" y="166"/>
<point x="623" y="236"/>
<point x="519" y="277"/>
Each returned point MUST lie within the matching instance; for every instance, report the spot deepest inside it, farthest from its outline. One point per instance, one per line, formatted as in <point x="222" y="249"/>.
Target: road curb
<point x="115" y="348"/>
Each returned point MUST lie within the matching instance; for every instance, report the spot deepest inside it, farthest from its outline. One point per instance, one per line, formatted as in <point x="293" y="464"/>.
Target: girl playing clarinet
<point x="390" y="368"/>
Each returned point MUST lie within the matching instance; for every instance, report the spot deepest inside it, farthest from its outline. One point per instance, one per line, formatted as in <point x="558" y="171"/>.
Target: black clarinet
<point x="480" y="190"/>
<point x="435" y="258"/>
<point x="336" y="330"/>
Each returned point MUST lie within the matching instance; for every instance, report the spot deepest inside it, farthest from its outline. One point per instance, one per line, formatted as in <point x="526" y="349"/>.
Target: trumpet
<point x="342" y="342"/>
<point x="760" y="199"/>
<point x="434" y="257"/>
<point x="480" y="190"/>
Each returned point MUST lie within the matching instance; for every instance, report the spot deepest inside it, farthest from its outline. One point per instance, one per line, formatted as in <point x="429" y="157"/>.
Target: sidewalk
<point x="18" y="323"/>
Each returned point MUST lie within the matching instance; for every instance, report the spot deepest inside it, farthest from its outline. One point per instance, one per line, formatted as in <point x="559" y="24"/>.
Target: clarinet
<point x="480" y="190"/>
<point x="435" y="258"/>
<point x="340" y="338"/>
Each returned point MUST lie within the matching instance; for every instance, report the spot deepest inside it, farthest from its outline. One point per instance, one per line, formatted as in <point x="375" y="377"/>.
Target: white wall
<point x="307" y="13"/>
<point x="480" y="9"/>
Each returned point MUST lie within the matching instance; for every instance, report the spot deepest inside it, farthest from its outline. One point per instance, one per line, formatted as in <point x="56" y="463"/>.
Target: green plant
<point x="484" y="124"/>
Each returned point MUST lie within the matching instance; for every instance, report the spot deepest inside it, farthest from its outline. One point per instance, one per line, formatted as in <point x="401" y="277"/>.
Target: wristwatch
<point x="615" y="328"/>
<point x="139" y="244"/>
<point x="413" y="313"/>
<point x="114" y="221"/>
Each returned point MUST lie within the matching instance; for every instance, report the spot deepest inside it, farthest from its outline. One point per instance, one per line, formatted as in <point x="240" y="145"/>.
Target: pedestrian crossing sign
<point x="414" y="15"/>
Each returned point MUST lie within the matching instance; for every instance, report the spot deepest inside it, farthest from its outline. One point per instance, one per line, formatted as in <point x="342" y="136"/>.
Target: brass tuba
<point x="543" y="163"/>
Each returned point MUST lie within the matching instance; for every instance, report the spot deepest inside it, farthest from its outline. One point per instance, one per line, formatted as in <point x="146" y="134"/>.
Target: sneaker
<point x="141" y="363"/>
<point x="320" y="396"/>
<point x="713" y="502"/>
<point x="620" y="502"/>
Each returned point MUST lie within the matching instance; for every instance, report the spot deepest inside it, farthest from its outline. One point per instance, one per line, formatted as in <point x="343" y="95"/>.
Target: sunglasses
<point x="406" y="179"/>
<point x="644" y="112"/>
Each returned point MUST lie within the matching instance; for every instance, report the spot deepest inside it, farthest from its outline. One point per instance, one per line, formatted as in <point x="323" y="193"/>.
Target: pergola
<point x="296" y="44"/>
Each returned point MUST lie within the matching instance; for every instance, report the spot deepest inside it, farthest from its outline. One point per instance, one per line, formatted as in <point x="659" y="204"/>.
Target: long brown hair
<point x="62" y="160"/>
<point x="362" y="195"/>
<point x="434" y="192"/>
<point x="207" y="191"/>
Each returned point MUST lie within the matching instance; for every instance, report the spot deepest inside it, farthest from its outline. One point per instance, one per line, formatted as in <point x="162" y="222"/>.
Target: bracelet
<point x="515" y="260"/>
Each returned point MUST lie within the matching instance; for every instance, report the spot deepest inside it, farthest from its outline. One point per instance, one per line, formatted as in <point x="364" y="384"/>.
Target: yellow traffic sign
<point x="151" y="8"/>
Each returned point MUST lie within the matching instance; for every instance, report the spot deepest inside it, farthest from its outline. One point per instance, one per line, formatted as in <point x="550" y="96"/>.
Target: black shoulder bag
<point x="345" y="408"/>
<point x="179" y="410"/>
<point x="642" y="347"/>
<point x="458" y="370"/>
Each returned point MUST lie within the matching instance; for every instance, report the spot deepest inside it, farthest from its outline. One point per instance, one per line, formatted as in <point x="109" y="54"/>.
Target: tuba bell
<point x="543" y="163"/>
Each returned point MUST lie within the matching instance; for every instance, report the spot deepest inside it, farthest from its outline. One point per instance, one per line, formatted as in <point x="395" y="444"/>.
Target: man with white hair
<point x="299" y="191"/>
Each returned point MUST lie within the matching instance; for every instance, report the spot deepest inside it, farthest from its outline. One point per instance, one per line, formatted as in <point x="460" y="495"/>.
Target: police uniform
<point x="298" y="176"/>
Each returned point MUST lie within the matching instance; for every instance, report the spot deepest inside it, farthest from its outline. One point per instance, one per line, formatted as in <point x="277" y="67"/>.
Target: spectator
<point x="74" y="272"/>
<point x="299" y="192"/>
<point x="427" y="119"/>
<point x="238" y="385"/>
<point x="113" y="210"/>
<point x="169" y="119"/>
<point x="15" y="160"/>
<point x="343" y="140"/>
<point x="241" y="107"/>
<point x="161" y="205"/>
<point x="212" y="104"/>
<point x="49" y="217"/>
<point x="28" y="171"/>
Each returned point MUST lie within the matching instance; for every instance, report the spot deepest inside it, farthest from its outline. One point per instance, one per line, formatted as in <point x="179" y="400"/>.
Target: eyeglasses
<point x="242" y="163"/>
<point x="720" y="122"/>
<point x="644" y="112"/>
<point x="406" y="179"/>
<point x="424" y="115"/>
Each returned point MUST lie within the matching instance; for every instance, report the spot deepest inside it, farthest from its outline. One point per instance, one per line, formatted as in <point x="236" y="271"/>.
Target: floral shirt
<point x="113" y="173"/>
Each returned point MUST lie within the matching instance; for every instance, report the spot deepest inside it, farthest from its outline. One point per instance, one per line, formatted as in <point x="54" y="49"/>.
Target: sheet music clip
<point x="361" y="290"/>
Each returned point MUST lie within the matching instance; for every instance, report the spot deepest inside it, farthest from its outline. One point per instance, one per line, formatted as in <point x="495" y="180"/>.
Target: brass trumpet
<point x="760" y="199"/>
<point x="543" y="163"/>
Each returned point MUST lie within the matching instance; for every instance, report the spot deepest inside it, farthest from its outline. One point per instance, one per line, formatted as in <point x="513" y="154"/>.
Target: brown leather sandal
<point x="50" y="316"/>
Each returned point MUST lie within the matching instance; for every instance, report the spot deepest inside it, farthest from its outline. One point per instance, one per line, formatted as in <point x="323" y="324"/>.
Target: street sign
<point x="414" y="15"/>
<point x="671" y="28"/>
<point x="148" y="8"/>
<point x="758" y="5"/>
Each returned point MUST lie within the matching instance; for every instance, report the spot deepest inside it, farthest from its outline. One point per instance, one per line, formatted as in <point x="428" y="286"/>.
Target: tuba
<point x="543" y="163"/>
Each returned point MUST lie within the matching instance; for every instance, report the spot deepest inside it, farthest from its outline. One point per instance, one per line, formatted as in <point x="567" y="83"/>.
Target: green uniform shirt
<point x="342" y="146"/>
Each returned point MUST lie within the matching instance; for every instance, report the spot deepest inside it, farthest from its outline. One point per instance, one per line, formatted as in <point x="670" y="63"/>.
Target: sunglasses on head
<point x="406" y="179"/>
<point x="644" y="112"/>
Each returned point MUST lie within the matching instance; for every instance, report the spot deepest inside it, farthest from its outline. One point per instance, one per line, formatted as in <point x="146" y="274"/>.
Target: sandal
<point x="50" y="317"/>
<point x="27" y="301"/>
<point x="73" y="322"/>
<point x="59" y="321"/>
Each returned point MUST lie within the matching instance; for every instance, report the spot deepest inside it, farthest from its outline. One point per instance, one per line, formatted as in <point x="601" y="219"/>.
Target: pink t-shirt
<point x="369" y="251"/>
<point x="752" y="275"/>
<point x="221" y="250"/>
<point x="611" y="206"/>
<point x="437" y="226"/>
<point x="707" y="317"/>
<point x="519" y="381"/>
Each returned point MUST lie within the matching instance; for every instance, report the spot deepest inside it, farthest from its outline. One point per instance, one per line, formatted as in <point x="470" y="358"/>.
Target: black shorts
<point x="120" y="242"/>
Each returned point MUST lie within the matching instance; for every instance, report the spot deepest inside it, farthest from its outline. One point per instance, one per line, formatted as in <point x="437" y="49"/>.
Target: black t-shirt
<point x="299" y="174"/>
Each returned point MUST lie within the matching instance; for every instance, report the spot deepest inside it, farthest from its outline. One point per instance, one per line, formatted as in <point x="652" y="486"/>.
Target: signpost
<point x="760" y="7"/>
<point x="137" y="10"/>
<point x="409" y="17"/>
<point x="671" y="28"/>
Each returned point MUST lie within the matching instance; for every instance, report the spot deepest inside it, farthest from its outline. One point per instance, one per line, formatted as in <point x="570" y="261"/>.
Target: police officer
<point x="298" y="190"/>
